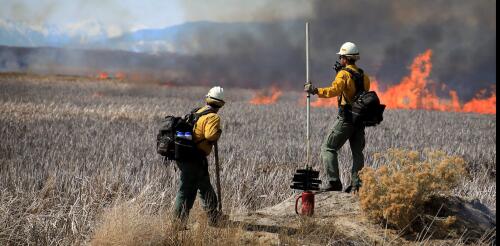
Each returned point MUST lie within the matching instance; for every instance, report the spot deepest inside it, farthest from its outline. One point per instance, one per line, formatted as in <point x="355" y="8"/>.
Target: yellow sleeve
<point x="337" y="87"/>
<point x="212" y="127"/>
<point x="366" y="81"/>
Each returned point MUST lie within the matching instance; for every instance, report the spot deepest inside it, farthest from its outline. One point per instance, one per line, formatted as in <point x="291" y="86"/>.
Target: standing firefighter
<point x="194" y="174"/>
<point x="343" y="87"/>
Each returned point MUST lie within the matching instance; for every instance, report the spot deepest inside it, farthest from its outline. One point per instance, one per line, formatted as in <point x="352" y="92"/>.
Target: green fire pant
<point x="194" y="177"/>
<point x="341" y="132"/>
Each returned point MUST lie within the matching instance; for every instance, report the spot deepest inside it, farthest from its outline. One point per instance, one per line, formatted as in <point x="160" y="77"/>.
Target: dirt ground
<point x="338" y="220"/>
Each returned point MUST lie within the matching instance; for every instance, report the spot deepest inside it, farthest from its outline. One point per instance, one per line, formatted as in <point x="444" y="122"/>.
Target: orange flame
<point x="325" y="102"/>
<point x="412" y="92"/>
<point x="267" y="98"/>
<point x="415" y="92"/>
<point x="120" y="75"/>
<point x="478" y="105"/>
<point x="98" y="94"/>
<point x="103" y="75"/>
<point x="167" y="84"/>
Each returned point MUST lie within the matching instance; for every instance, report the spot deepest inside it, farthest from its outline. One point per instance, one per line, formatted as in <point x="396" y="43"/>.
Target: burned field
<point x="71" y="147"/>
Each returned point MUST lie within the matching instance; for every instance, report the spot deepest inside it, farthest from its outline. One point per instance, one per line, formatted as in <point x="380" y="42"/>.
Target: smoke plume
<point x="389" y="34"/>
<point x="266" y="47"/>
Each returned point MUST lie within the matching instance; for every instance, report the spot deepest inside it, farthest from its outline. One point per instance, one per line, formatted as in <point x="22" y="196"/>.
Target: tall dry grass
<point x="131" y="223"/>
<point x="71" y="148"/>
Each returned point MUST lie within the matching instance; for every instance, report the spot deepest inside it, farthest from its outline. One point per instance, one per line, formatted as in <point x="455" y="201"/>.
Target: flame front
<point x="414" y="92"/>
<point x="411" y="92"/>
<point x="267" y="98"/>
<point x="478" y="105"/>
<point x="102" y="75"/>
<point x="105" y="75"/>
<point x="120" y="75"/>
<point x="325" y="102"/>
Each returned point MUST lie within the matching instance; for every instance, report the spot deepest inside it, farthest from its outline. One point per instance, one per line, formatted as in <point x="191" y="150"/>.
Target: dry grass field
<point x="72" y="148"/>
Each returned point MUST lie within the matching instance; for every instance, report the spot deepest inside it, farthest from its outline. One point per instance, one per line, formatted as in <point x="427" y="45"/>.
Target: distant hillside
<point x="188" y="38"/>
<point x="19" y="34"/>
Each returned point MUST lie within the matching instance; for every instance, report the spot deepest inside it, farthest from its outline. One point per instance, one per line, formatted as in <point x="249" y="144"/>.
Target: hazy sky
<point x="390" y="33"/>
<point x="129" y="14"/>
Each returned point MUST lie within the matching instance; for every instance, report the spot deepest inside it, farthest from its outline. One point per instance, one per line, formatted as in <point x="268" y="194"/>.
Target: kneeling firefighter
<point x="343" y="87"/>
<point x="194" y="174"/>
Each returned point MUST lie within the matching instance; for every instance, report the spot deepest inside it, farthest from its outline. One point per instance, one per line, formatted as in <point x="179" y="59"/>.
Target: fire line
<point x="414" y="92"/>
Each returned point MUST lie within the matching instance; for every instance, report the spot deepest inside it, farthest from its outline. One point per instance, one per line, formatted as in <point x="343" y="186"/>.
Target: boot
<point x="333" y="186"/>
<point x="352" y="188"/>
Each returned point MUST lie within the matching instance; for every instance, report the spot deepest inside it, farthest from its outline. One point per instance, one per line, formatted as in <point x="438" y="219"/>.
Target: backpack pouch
<point x="185" y="150"/>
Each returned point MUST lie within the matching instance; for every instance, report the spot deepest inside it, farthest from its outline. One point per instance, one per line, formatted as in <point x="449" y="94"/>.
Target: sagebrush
<point x="396" y="192"/>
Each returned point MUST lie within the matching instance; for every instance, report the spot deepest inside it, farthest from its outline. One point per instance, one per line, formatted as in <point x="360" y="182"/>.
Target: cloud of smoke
<point x="245" y="11"/>
<point x="389" y="33"/>
<point x="67" y="14"/>
<point x="266" y="44"/>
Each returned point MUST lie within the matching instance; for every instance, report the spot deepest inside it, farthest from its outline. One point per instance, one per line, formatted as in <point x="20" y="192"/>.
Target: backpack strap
<point x="196" y="117"/>
<point x="195" y="110"/>
<point x="204" y="112"/>
<point x="358" y="78"/>
<point x="193" y="116"/>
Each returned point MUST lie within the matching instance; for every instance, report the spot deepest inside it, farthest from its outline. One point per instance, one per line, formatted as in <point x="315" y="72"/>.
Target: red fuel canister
<point x="307" y="206"/>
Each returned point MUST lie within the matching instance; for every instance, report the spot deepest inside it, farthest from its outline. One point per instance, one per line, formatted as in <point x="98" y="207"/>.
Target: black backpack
<point x="365" y="109"/>
<point x="172" y="147"/>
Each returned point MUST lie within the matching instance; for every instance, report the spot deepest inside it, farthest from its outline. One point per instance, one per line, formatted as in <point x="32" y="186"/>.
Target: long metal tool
<point x="308" y="144"/>
<point x="217" y="174"/>
<point x="307" y="179"/>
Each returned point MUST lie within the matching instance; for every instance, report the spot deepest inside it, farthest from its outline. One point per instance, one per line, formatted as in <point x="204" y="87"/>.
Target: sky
<point x="126" y="15"/>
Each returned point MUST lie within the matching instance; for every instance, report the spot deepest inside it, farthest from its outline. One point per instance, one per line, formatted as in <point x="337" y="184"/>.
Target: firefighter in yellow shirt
<point x="343" y="87"/>
<point x="194" y="174"/>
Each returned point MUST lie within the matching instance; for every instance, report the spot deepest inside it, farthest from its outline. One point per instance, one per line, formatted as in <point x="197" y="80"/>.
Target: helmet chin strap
<point x="212" y="106"/>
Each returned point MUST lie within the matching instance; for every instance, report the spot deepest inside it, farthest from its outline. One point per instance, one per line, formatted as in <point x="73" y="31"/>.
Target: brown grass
<point x="67" y="156"/>
<point x="130" y="223"/>
<point x="396" y="192"/>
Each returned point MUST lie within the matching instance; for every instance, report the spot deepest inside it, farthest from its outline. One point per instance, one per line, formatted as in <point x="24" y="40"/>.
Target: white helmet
<point x="215" y="97"/>
<point x="349" y="49"/>
<point x="217" y="93"/>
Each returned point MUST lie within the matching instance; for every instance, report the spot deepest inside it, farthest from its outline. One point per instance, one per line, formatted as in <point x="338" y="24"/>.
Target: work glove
<point x="309" y="88"/>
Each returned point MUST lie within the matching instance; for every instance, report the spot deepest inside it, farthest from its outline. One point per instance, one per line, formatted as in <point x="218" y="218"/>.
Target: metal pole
<point x="217" y="175"/>
<point x="308" y="151"/>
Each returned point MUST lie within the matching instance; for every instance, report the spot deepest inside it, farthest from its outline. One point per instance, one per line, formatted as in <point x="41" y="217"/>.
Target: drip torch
<point x="306" y="179"/>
